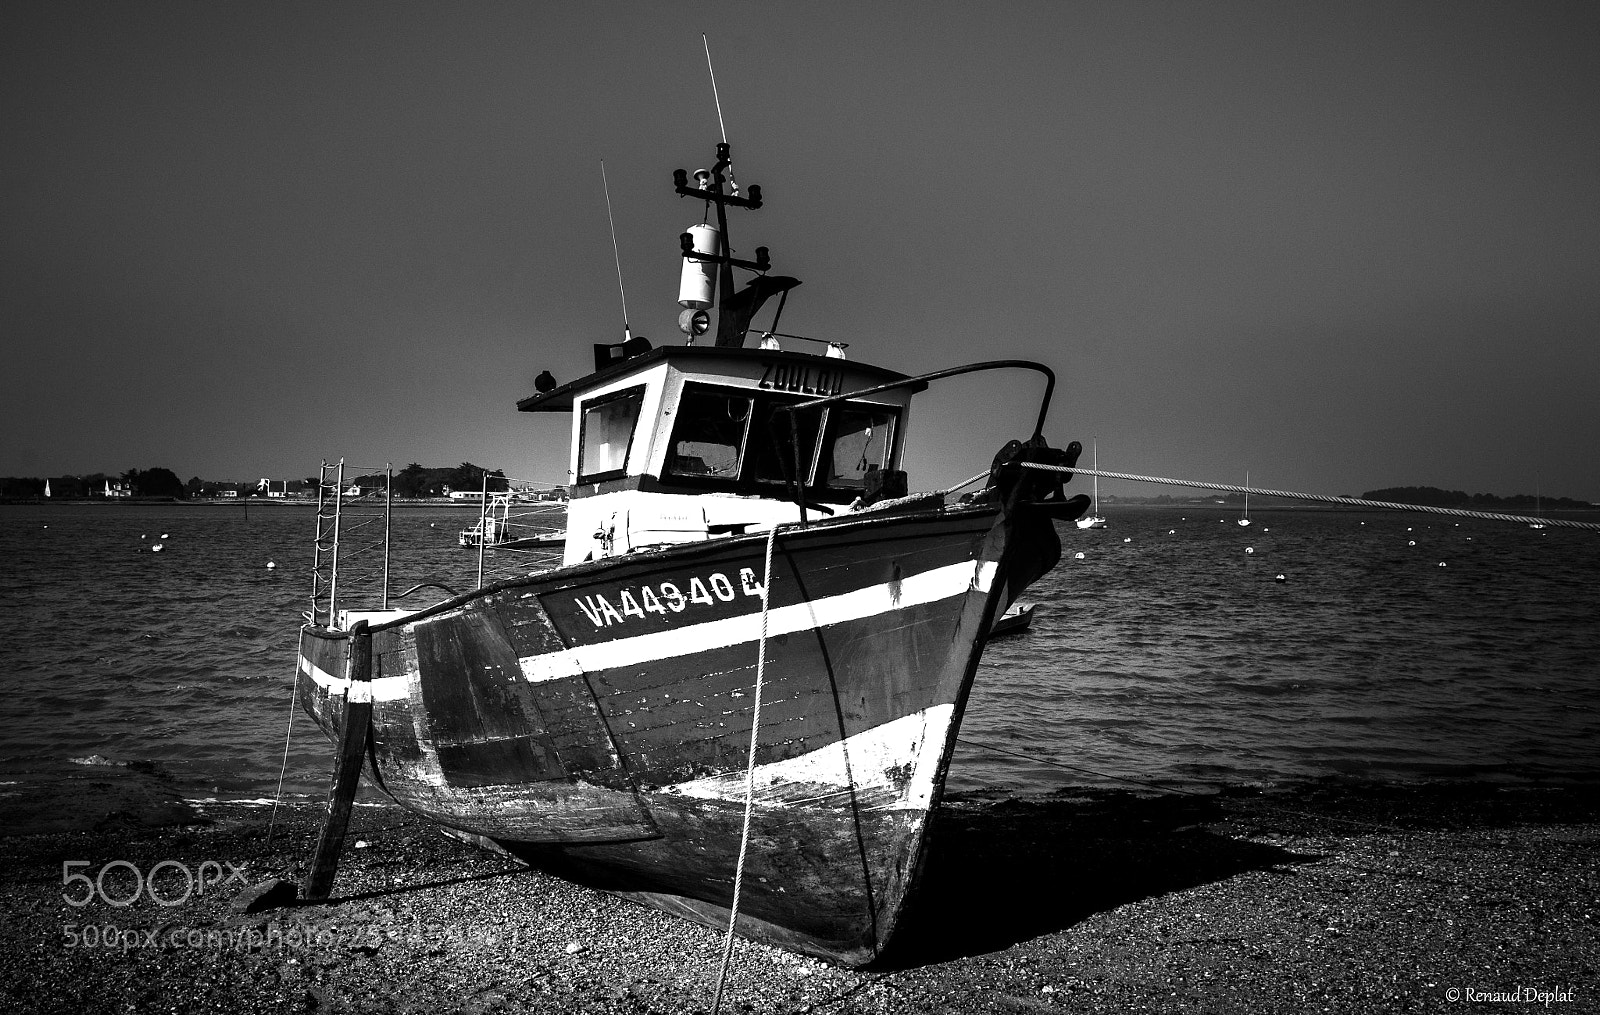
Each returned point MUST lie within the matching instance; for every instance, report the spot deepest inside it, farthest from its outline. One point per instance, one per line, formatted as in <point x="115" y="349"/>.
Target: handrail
<point x="996" y="364"/>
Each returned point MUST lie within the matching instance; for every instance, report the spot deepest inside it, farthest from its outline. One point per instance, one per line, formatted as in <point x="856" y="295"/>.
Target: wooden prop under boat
<point x="595" y="719"/>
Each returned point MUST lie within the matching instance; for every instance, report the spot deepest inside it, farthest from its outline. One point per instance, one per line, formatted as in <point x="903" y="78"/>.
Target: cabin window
<point x="708" y="437"/>
<point x="606" y="433"/>
<point x="860" y="440"/>
<point x="773" y="446"/>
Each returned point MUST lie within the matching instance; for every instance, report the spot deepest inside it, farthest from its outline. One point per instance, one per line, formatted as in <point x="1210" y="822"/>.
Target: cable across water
<point x="1495" y="516"/>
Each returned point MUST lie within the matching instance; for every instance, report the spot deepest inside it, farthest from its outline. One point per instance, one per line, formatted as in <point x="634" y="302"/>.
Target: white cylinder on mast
<point x="697" y="289"/>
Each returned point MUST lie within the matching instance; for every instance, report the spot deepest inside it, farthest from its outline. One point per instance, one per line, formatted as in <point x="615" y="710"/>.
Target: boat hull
<point x="596" y="720"/>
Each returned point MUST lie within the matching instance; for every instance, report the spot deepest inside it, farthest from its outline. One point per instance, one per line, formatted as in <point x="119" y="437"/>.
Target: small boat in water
<point x="1015" y="620"/>
<point x="493" y="525"/>
<point x="1093" y="520"/>
<point x="752" y="610"/>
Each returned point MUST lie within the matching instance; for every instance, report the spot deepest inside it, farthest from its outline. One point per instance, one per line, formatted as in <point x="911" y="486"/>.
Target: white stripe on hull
<point x="874" y="600"/>
<point x="915" y="590"/>
<point x="863" y="761"/>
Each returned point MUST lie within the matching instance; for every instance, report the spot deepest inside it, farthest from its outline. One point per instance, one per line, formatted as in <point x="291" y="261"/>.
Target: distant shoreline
<point x="252" y="502"/>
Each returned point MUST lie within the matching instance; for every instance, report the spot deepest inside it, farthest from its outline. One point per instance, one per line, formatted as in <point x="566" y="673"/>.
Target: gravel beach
<point x="1334" y="897"/>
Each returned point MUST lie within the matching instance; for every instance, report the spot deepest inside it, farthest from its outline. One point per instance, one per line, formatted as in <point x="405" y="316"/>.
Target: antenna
<point x="714" y="94"/>
<point x="627" y="336"/>
<point x="733" y="185"/>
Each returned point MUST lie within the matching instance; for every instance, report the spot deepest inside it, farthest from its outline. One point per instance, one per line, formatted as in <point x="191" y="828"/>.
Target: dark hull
<point x="596" y="720"/>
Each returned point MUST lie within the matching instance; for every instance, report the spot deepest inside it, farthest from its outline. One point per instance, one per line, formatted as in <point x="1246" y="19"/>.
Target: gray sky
<point x="1340" y="245"/>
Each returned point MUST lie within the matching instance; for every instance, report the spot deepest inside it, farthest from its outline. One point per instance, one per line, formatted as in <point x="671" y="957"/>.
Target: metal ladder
<point x="340" y="515"/>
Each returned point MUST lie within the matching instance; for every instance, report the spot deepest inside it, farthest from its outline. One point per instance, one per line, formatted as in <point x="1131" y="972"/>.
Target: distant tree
<point x="25" y="486"/>
<point x="469" y="477"/>
<point x="1430" y="496"/>
<point x="194" y="487"/>
<point x="154" y="483"/>
<point x="409" y="481"/>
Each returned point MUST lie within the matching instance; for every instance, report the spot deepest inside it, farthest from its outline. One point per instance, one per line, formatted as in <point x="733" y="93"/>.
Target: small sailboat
<point x="1244" y="519"/>
<point x="1093" y="520"/>
<point x="1538" y="509"/>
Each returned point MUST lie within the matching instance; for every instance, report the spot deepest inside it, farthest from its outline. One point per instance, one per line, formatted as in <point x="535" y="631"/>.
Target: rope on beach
<point x="1493" y="516"/>
<point x="749" y="772"/>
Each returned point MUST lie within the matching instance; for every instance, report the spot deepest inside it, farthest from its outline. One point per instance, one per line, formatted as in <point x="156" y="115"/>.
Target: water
<point x="1173" y="656"/>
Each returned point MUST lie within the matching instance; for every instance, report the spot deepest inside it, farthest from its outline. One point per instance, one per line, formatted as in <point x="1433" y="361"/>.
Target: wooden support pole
<point x="347" y="770"/>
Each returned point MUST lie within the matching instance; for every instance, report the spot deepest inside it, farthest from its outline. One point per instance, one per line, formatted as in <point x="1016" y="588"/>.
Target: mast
<point x="733" y="314"/>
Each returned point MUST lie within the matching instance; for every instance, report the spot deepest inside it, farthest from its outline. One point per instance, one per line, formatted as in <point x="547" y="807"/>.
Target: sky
<point x="1340" y="247"/>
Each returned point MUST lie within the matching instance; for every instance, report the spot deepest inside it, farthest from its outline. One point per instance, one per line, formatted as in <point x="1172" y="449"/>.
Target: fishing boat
<point x="1093" y="520"/>
<point x="739" y="692"/>
<point x="493" y="525"/>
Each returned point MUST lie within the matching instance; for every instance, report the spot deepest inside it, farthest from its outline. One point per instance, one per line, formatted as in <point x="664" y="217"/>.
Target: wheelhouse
<point x="690" y="442"/>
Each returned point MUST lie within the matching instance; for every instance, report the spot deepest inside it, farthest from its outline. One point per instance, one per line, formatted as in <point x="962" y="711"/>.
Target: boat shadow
<point x="999" y="873"/>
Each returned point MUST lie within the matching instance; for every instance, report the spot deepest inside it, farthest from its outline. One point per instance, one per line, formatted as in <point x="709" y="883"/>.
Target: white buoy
<point x="1078" y="555"/>
<point x="1411" y="542"/>
<point x="1249" y="549"/>
<point x="156" y="548"/>
<point x="271" y="564"/>
<point x="163" y="535"/>
<point x="1127" y="539"/>
<point x="1280" y="578"/>
<point x="1442" y="563"/>
<point x="1172" y="532"/>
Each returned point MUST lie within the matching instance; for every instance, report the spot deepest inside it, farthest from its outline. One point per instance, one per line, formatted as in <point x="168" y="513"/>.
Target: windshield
<point x="607" y="433"/>
<point x="709" y="437"/>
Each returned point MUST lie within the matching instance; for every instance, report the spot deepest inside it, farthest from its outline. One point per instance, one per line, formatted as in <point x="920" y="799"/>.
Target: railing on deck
<point x="350" y="566"/>
<point x="356" y="543"/>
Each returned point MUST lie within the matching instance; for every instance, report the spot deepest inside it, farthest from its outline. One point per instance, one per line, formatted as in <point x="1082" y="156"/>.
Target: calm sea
<point x="1396" y="646"/>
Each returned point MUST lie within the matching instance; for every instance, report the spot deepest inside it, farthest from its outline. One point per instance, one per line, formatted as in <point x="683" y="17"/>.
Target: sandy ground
<point x="1337" y="897"/>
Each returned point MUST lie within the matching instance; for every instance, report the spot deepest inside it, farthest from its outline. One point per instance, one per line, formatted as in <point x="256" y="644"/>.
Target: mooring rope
<point x="749" y="772"/>
<point x="985" y="474"/>
<point x="287" y="733"/>
<point x="1493" y="516"/>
